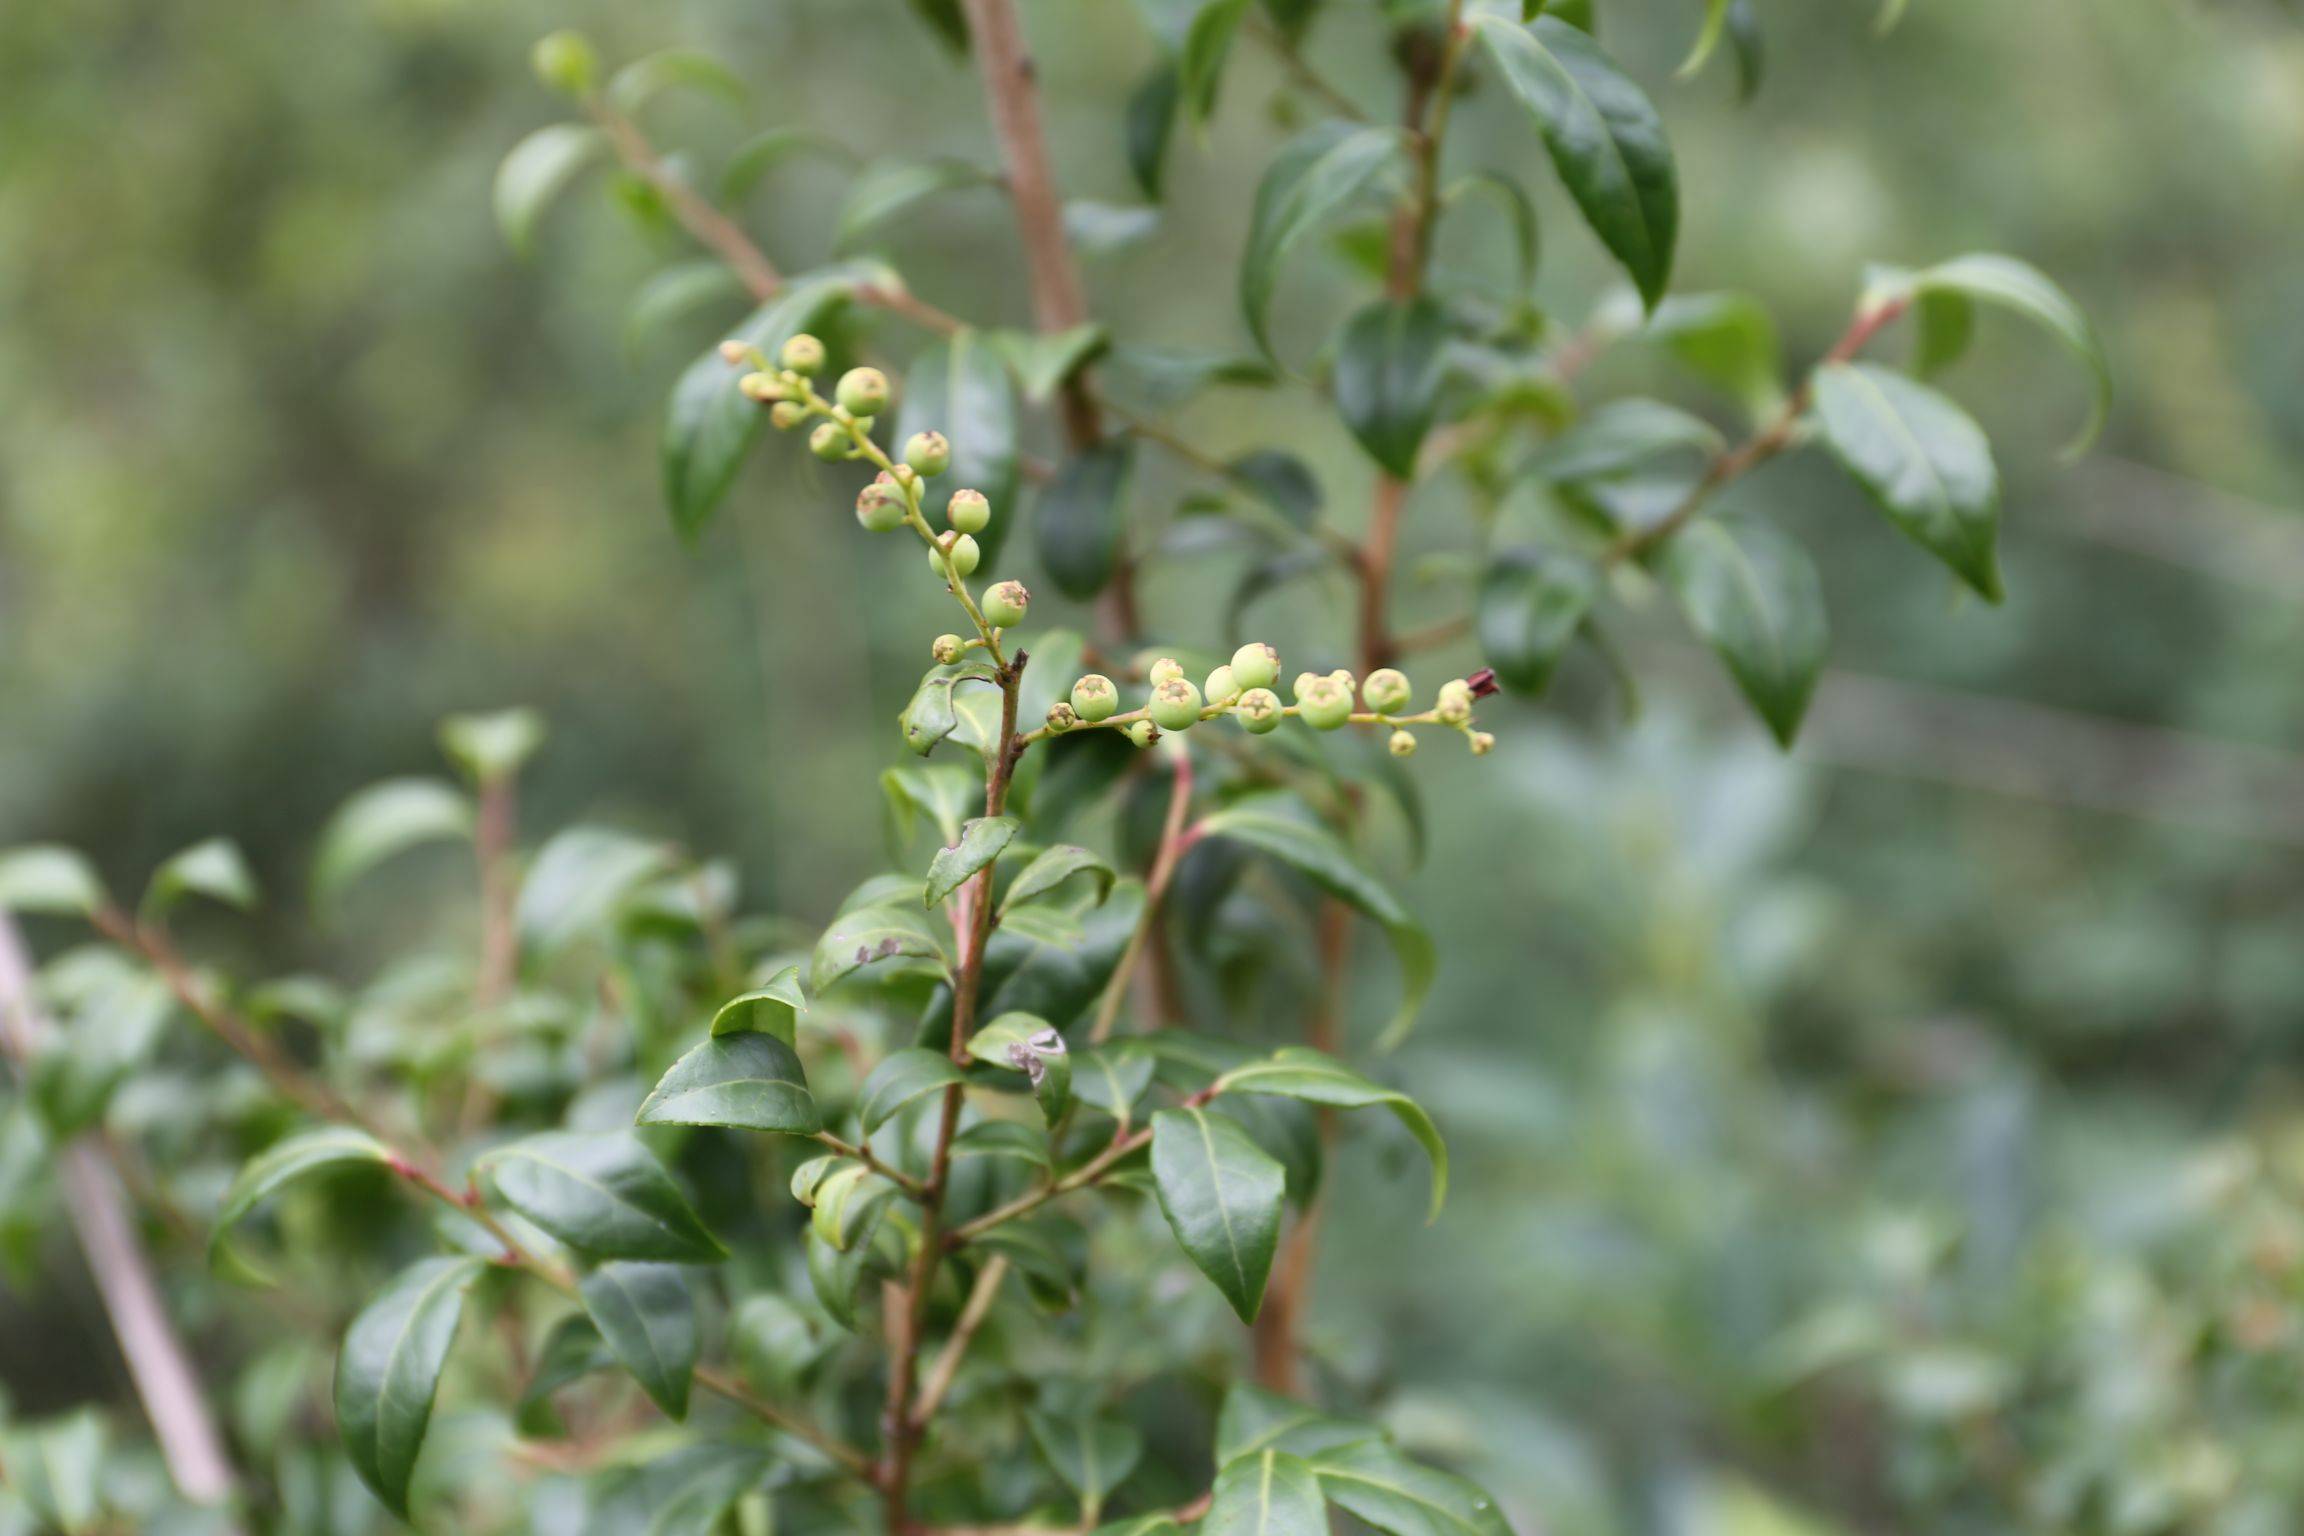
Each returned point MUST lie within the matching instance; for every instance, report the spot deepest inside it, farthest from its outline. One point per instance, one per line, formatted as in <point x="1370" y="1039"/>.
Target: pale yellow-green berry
<point x="1094" y="698"/>
<point x="1164" y="669"/>
<point x="1222" y="686"/>
<point x="880" y="506"/>
<point x="1303" y="681"/>
<point x="565" y="62"/>
<point x="1455" y="705"/>
<point x="763" y="387"/>
<point x="1326" y="705"/>
<point x="735" y="353"/>
<point x="863" y="391"/>
<point x="968" y="511"/>
<point x="787" y="414"/>
<point x="803" y="354"/>
<point x="1386" y="691"/>
<point x="1005" y="604"/>
<point x="1175" y="705"/>
<point x="828" y="442"/>
<point x="1403" y="743"/>
<point x="1259" y="711"/>
<point x="947" y="649"/>
<point x="957" y="548"/>
<point x="1256" y="665"/>
<point x="1142" y="732"/>
<point x="1061" y="717"/>
<point x="1482" y="743"/>
<point x="928" y="452"/>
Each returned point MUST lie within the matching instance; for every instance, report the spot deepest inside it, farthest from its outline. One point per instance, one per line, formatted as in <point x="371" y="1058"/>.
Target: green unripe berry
<point x="1403" y="743"/>
<point x="1386" y="691"/>
<point x="880" y="506"/>
<point x="1222" y="687"/>
<point x="928" y="452"/>
<point x="959" y="551"/>
<point x="1303" y="681"/>
<point x="1259" y="711"/>
<point x="863" y="390"/>
<point x="1256" y="665"/>
<point x="1453" y="712"/>
<point x="968" y="511"/>
<point x="1482" y="743"/>
<point x="1164" y="669"/>
<point x="787" y="414"/>
<point x="829" y="442"/>
<point x="1004" y="605"/>
<point x="763" y="387"/>
<point x="1326" y="704"/>
<point x="946" y="649"/>
<point x="1061" y="717"/>
<point x="803" y="354"/>
<point x="1458" y="689"/>
<point x="1142" y="733"/>
<point x="1094" y="698"/>
<point x="1344" y="678"/>
<point x="1175" y="705"/>
<point x="565" y="62"/>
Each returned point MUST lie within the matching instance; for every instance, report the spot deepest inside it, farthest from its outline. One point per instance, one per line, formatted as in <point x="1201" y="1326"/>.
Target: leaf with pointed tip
<point x="1269" y="1493"/>
<point x="865" y="937"/>
<point x="846" y="1203"/>
<point x="1377" y="1484"/>
<point x="1207" y="41"/>
<point x="1093" y="1456"/>
<point x="901" y="1077"/>
<point x="214" y="868"/>
<point x="1042" y="361"/>
<point x="1053" y="866"/>
<point x="572" y="1351"/>
<point x="1151" y="123"/>
<point x="1027" y="1043"/>
<point x="1531" y="604"/>
<point x="941" y="792"/>
<point x="1222" y="1195"/>
<point x="772" y="1008"/>
<point x="539" y="168"/>
<point x="388" y="1371"/>
<point x="1299" y="1072"/>
<point x="1926" y="464"/>
<point x="1255" y="1420"/>
<point x="1605" y="138"/>
<point x="48" y="878"/>
<point x="748" y="1081"/>
<point x="1754" y="597"/>
<point x="887" y="188"/>
<point x="383" y="820"/>
<point x="2023" y="289"/>
<point x="1388" y="376"/>
<point x="836" y="1277"/>
<point x="647" y="1317"/>
<point x="644" y="79"/>
<point x="1317" y="174"/>
<point x="290" y="1159"/>
<point x="1729" y="341"/>
<point x="1082" y="518"/>
<point x="960" y="387"/>
<point x="1620" y="437"/>
<point x="602" y="1194"/>
<point x="979" y="843"/>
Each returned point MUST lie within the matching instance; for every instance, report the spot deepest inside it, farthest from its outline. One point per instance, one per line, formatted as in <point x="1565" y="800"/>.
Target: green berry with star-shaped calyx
<point x="1303" y="681"/>
<point x="1061" y="717"/>
<point x="803" y="354"/>
<point x="1386" y="691"/>
<point x="1005" y="604"/>
<point x="1455" y="706"/>
<point x="880" y="505"/>
<point x="829" y="442"/>
<point x="1094" y="698"/>
<point x="1259" y="711"/>
<point x="969" y="511"/>
<point x="1163" y="669"/>
<point x="1326" y="704"/>
<point x="863" y="391"/>
<point x="1256" y="665"/>
<point x="1142" y="732"/>
<point x="947" y="649"/>
<point x="1175" y="704"/>
<point x="930" y="453"/>
<point x="1402" y="744"/>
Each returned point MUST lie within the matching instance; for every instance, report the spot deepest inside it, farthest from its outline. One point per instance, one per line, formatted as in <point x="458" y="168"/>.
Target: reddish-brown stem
<point x="493" y="835"/>
<point x="1174" y="840"/>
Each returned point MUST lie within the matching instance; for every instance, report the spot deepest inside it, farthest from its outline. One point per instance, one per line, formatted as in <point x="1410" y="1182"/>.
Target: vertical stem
<point x="1173" y="841"/>
<point x="492" y="839"/>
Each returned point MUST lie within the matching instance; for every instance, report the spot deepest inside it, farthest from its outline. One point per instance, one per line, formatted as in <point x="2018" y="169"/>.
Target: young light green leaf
<point x="886" y="188"/>
<point x="944" y="794"/>
<point x="1377" y="1484"/>
<point x="383" y="820"/>
<point x="539" y="168"/>
<point x="837" y="1277"/>
<point x="979" y="844"/>
<point x="1319" y="857"/>
<point x="1093" y="1456"/>
<point x="644" y="79"/>
<point x="1922" y="459"/>
<point x="1316" y="175"/>
<point x="1027" y="1043"/>
<point x="1222" y="1195"/>
<point x="748" y="1081"/>
<point x="491" y="745"/>
<point x="1269" y="1493"/>
<point x="1729" y="341"/>
<point x="49" y="878"/>
<point x="1622" y="436"/>
<point x="960" y="387"/>
<point x="865" y="937"/>
<point x="846" y="1204"/>
<point x="1299" y="1072"/>
<point x="1200" y="67"/>
<point x="1531" y="604"/>
<point x="1754" y="597"/>
<point x="647" y="1317"/>
<point x="215" y="868"/>
<point x="580" y="879"/>
<point x="604" y="1195"/>
<point x="2022" y="289"/>
<point x="772" y="1008"/>
<point x="1053" y="866"/>
<point x="1605" y="138"/>
<point x="1082" y="517"/>
<point x="58" y="1468"/>
<point x="1387" y="379"/>
<point x="388" y="1371"/>
<point x="1255" y="1420"/>
<point x="287" y="1160"/>
<point x="901" y="1077"/>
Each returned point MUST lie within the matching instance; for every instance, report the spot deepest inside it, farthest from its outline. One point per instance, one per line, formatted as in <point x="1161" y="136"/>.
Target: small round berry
<point x="1451" y="711"/>
<point x="880" y="506"/>
<point x="803" y="354"/>
<point x="1061" y="717"/>
<point x="1386" y="691"/>
<point x="1403" y="743"/>
<point x="1142" y="732"/>
<point x="946" y="649"/>
<point x="1482" y="743"/>
<point x="1259" y="711"/>
<point x="1163" y="669"/>
<point x="1344" y="678"/>
<point x="565" y="62"/>
<point x="1222" y="686"/>
<point x="863" y="390"/>
<point x="1456" y="688"/>
<point x="956" y="549"/>
<point x="763" y="387"/>
<point x="1004" y="605"/>
<point x="735" y="353"/>
<point x="968" y="511"/>
<point x="1175" y="705"/>
<point x="829" y="442"/>
<point x="1303" y="681"/>
<point x="1326" y="705"/>
<point x="1094" y="698"/>
<point x="787" y="414"/>
<point x="1256" y="665"/>
<point x="928" y="452"/>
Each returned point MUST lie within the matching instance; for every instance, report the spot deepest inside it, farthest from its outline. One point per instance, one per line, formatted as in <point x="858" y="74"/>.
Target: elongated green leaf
<point x="960" y="387"/>
<point x="1622" y="436"/>
<point x="1729" y="341"/>
<point x="572" y="1351"/>
<point x="57" y="1468"/>
<point x="1315" y="176"/>
<point x="772" y="1008"/>
<point x="1299" y="1072"/>
<point x="539" y="168"/>
<point x="1379" y="1485"/>
<point x="1753" y="596"/>
<point x="1042" y="361"/>
<point x="2022" y="289"/>
<point x="216" y="869"/>
<point x="1745" y="42"/>
<point x="901" y="1077"/>
<point x="1221" y="1194"/>
<point x="48" y="878"/>
<point x="837" y="1278"/>
<point x="388" y="1371"/>
<point x="1051" y="867"/>
<point x="1269" y="1493"/>
<point x="282" y="1163"/>
<point x="846" y="1203"/>
<point x="979" y="844"/>
<point x="1922" y="459"/>
<point x="1255" y="1420"/>
<point x="1530" y="606"/>
<point x="1082" y="517"/>
<point x="1151" y="124"/>
<point x="1093" y="1456"/>
<point x="1388" y="377"/>
<point x="1027" y="1043"/>
<point x="748" y="1080"/>
<point x="382" y="820"/>
<point x="1605" y="138"/>
<point x="1141" y="1525"/>
<point x="647" y="1317"/>
<point x="887" y="188"/>
<point x="1319" y="857"/>
<point x="942" y="793"/>
<point x="604" y="1195"/>
<point x="673" y="294"/>
<point x="865" y="937"/>
<point x="1207" y="43"/>
<point x="644" y="79"/>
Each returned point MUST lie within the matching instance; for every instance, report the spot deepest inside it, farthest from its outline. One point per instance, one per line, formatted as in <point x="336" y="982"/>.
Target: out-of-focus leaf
<point x="900" y="1078"/>
<point x="1081" y="519"/>
<point x="1044" y="360"/>
<point x="1051" y="867"/>
<point x="1093" y="1456"/>
<point x="1388" y="376"/>
<point x="1753" y="596"/>
<point x="676" y="292"/>
<point x="1619" y="437"/>
<point x="1317" y="175"/>
<point x="1531" y="604"/>
<point x="1745" y="42"/>
<point x="382" y="820"/>
<point x="1151" y="124"/>
<point x="1922" y="459"/>
<point x="1299" y="1072"/>
<point x="1255" y="1420"/>
<point x="1281" y="481"/>
<point x="1207" y="43"/>
<point x="943" y="793"/>
<point x="1729" y="341"/>
<point x="282" y="1163"/>
<point x="748" y="1080"/>
<point x="1222" y="1195"/>
<point x="2022" y="289"/>
<point x="887" y="188"/>
<point x="388" y="1371"/>
<point x="604" y="1195"/>
<point x="539" y="168"/>
<point x="757" y="156"/>
<point x="647" y="1317"/>
<point x="58" y="1469"/>
<point x="642" y="80"/>
<point x="1395" y="1495"/>
<point x="489" y="745"/>
<point x="580" y="878"/>
<point x="216" y="869"/>
<point x="960" y="387"/>
<point x="48" y="878"/>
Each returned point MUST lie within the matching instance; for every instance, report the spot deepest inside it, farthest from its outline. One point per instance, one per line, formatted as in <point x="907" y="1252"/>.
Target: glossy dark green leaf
<point x="960" y="387"/>
<point x="383" y="820"/>
<point x="1753" y="596"/>
<point x="1093" y="1456"/>
<point x="980" y="842"/>
<point x="604" y="1195"/>
<point x="772" y="1008"/>
<point x="388" y="1371"/>
<point x="1388" y="376"/>
<point x="901" y="1077"/>
<point x="1922" y="459"/>
<point x="747" y="1080"/>
<point x="1266" y="1493"/>
<point x="1151" y="125"/>
<point x="1051" y="867"/>
<point x="1299" y="1072"/>
<point x="647" y="1318"/>
<point x="1530" y="606"/>
<point x="837" y="1277"/>
<point x="865" y="937"/>
<point x="1281" y="481"/>
<point x="946" y="19"/>
<point x="1082" y="517"/>
<point x="886" y="189"/>
<point x="2022" y="289"/>
<point x="1377" y="1484"/>
<point x="1316" y="176"/>
<point x="48" y="878"/>
<point x="1027" y="1043"/>
<point x="215" y="869"/>
<point x="1207" y="43"/>
<point x="285" y="1161"/>
<point x="1255" y="1420"/>
<point x="1605" y="138"/>
<point x="1222" y="1195"/>
<point x="539" y="168"/>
